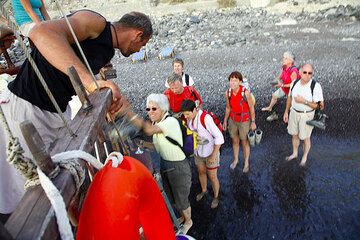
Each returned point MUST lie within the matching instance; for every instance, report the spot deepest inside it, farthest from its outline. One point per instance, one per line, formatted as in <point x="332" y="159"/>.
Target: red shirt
<point x="240" y="110"/>
<point x="175" y="100"/>
<point x="286" y="76"/>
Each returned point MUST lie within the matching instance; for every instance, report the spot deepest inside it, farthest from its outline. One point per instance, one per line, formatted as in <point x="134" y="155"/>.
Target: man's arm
<point x="54" y="39"/>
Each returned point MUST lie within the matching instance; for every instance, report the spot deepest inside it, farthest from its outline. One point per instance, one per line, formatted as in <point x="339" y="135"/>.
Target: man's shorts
<point x="209" y="166"/>
<point x="279" y="93"/>
<point x="297" y="124"/>
<point x="240" y="129"/>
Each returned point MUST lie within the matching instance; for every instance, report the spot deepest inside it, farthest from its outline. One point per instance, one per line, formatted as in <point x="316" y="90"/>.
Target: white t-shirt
<point x="304" y="90"/>
<point x="191" y="81"/>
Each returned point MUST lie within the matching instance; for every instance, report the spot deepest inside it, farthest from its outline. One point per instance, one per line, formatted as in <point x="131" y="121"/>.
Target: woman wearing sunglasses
<point x="174" y="166"/>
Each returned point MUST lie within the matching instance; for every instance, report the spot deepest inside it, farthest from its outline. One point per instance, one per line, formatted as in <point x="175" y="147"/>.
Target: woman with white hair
<point x="174" y="166"/>
<point x="288" y="74"/>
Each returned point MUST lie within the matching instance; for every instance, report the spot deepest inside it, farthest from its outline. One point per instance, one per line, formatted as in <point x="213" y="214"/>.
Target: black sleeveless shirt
<point x="27" y="86"/>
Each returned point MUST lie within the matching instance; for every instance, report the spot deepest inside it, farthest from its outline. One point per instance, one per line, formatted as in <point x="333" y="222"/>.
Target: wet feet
<point x="215" y="203"/>
<point x="200" y="196"/>
<point x="246" y="168"/>
<point x="303" y="162"/>
<point x="291" y="157"/>
<point x="233" y="165"/>
<point x="187" y="225"/>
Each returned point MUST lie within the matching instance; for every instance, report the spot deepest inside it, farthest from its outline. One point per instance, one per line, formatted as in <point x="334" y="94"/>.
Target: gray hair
<point x="289" y="55"/>
<point x="159" y="99"/>
<point x="173" y="78"/>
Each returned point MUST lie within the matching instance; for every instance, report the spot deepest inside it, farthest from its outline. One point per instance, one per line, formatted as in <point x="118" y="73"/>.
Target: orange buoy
<point x="120" y="200"/>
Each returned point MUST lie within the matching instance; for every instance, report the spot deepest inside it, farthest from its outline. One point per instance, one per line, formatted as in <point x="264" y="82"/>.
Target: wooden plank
<point x="37" y="221"/>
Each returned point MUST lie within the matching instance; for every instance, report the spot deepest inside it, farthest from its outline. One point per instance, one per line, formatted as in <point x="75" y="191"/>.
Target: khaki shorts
<point x="240" y="129"/>
<point x="209" y="166"/>
<point x="279" y="93"/>
<point x="297" y="124"/>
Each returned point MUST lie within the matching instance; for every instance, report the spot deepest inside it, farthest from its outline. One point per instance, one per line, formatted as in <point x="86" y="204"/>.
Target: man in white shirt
<point x="178" y="68"/>
<point x="302" y="102"/>
<point x="207" y="157"/>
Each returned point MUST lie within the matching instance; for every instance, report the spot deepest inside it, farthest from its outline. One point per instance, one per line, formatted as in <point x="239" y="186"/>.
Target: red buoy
<point x="120" y="200"/>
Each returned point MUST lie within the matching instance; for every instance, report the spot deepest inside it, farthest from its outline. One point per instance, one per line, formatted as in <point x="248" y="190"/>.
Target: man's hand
<point x="299" y="99"/>
<point x="252" y="126"/>
<point x="286" y="117"/>
<point x="117" y="100"/>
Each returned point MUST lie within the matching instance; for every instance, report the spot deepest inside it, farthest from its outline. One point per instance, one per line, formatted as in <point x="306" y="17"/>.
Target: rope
<point x="53" y="193"/>
<point x="15" y="155"/>
<point x="13" y="26"/>
<point x="57" y="202"/>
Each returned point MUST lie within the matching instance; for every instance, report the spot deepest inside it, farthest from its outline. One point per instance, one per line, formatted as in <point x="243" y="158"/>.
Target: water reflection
<point x="288" y="183"/>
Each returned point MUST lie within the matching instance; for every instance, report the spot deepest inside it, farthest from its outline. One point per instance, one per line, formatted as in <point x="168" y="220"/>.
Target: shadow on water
<point x="244" y="193"/>
<point x="288" y="183"/>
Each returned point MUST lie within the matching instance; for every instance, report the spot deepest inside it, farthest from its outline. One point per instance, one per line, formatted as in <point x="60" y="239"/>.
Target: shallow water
<point x="281" y="200"/>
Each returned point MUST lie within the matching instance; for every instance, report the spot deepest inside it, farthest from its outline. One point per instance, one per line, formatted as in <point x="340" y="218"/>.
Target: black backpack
<point x="188" y="138"/>
<point x="187" y="79"/>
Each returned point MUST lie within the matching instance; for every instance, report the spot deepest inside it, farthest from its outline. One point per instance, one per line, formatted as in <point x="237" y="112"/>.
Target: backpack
<point x="187" y="79"/>
<point x="298" y="75"/>
<point x="243" y="95"/>
<point x="216" y="121"/>
<point x="214" y="117"/>
<point x="187" y="137"/>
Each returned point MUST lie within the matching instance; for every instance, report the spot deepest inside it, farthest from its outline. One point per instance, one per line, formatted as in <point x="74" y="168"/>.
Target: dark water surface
<point x="281" y="200"/>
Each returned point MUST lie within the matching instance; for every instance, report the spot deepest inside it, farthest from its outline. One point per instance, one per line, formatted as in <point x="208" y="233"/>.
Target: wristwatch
<point x="306" y="102"/>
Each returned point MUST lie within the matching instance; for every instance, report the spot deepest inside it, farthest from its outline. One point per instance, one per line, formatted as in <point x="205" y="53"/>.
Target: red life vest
<point x="240" y="110"/>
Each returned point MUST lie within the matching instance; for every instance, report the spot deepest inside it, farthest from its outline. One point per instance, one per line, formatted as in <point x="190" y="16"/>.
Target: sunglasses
<point x="305" y="72"/>
<point x="153" y="108"/>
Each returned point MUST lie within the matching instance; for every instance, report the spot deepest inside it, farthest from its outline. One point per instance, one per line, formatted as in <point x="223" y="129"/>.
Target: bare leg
<point x="307" y="146"/>
<point x="236" y="149"/>
<point x="271" y="105"/>
<point x="202" y="176"/>
<point x="246" y="150"/>
<point x="214" y="181"/>
<point x="295" y="145"/>
<point x="188" y="222"/>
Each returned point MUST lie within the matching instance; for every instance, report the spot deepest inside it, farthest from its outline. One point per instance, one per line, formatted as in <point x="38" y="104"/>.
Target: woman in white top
<point x="174" y="166"/>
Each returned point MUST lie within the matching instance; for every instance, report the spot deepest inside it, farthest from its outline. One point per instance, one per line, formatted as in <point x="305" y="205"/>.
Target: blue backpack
<point x="187" y="137"/>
